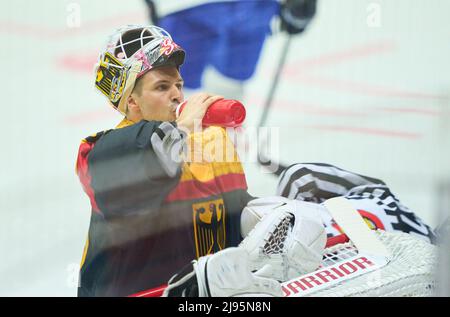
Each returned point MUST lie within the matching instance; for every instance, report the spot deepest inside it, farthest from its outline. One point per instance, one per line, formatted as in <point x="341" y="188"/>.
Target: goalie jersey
<point x="150" y="214"/>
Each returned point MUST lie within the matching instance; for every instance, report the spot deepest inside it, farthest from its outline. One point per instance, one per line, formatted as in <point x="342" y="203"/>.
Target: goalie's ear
<point x="258" y="208"/>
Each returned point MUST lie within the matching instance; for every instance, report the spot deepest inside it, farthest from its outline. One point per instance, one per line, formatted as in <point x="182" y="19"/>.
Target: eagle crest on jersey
<point x="209" y="227"/>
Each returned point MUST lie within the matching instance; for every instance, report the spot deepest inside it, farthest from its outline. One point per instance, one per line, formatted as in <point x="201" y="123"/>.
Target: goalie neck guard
<point x="130" y="52"/>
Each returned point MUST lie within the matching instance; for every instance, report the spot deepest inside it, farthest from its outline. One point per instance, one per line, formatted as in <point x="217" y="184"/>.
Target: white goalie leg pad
<point x="286" y="242"/>
<point x="227" y="273"/>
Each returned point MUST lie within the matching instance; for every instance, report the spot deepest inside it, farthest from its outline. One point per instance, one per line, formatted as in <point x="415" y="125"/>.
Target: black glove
<point x="295" y="15"/>
<point x="184" y="283"/>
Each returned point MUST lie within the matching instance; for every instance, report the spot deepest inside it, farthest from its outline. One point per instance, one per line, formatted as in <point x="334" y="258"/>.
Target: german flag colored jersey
<point x="149" y="219"/>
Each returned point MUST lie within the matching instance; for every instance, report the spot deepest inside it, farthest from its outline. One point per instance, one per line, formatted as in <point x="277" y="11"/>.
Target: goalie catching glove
<point x="223" y="274"/>
<point x="285" y="242"/>
<point x="288" y="240"/>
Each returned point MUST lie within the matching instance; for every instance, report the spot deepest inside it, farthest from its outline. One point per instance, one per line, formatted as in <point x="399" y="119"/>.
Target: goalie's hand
<point x="224" y="274"/>
<point x="295" y="15"/>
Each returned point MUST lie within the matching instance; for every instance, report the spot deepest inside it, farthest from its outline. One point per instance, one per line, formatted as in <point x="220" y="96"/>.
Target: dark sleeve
<point x="128" y="177"/>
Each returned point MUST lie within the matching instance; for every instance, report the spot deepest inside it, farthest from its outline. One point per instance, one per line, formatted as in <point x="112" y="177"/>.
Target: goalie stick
<point x="154" y="18"/>
<point x="349" y="219"/>
<point x="262" y="159"/>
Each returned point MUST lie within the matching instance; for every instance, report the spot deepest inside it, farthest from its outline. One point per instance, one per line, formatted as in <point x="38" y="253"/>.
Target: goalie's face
<point x="156" y="95"/>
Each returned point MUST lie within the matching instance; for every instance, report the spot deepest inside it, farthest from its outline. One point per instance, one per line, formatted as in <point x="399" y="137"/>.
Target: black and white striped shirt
<point x="317" y="182"/>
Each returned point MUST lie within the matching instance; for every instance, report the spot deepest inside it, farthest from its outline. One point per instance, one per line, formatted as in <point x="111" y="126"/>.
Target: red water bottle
<point x="223" y="113"/>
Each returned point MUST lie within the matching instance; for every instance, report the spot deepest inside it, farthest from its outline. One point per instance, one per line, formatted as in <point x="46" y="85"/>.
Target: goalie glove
<point x="285" y="243"/>
<point x="256" y="209"/>
<point x="295" y="15"/>
<point x="223" y="274"/>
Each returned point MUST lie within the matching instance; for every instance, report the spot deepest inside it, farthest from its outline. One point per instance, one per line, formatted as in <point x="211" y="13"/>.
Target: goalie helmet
<point x="130" y="52"/>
